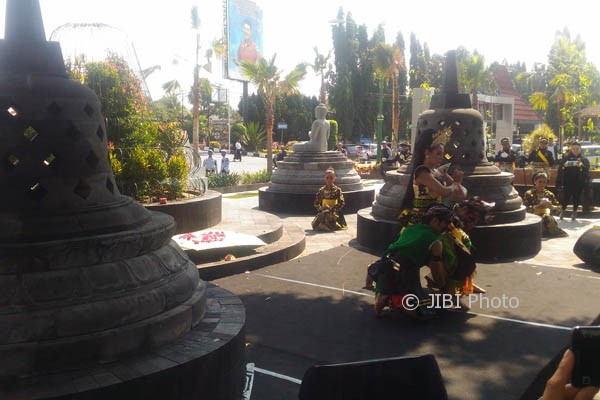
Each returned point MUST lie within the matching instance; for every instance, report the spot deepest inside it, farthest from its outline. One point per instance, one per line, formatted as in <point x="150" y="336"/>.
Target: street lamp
<point x="379" y="135"/>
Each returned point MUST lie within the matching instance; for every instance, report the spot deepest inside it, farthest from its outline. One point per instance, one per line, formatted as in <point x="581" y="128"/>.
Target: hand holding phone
<point x="585" y="343"/>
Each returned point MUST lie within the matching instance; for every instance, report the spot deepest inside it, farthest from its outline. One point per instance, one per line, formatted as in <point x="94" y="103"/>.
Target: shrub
<point x="222" y="180"/>
<point x="254" y="137"/>
<point x="214" y="145"/>
<point x="177" y="170"/>
<point x="262" y="176"/>
<point x="144" y="173"/>
<point x="333" y="134"/>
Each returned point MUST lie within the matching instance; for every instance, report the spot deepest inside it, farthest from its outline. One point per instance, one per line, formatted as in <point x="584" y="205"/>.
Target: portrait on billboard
<point x="244" y="23"/>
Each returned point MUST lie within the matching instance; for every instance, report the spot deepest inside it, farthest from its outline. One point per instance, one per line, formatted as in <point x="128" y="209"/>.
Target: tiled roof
<point x="523" y="111"/>
<point x="592" y="111"/>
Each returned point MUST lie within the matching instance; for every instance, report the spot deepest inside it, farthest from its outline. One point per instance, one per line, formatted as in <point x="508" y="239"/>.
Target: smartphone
<point x="585" y="343"/>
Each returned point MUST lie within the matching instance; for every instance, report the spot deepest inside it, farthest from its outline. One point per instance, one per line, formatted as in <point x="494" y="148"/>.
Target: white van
<point x="592" y="153"/>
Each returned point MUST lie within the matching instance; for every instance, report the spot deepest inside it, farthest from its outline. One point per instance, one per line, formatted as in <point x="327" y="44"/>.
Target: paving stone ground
<point x="313" y="310"/>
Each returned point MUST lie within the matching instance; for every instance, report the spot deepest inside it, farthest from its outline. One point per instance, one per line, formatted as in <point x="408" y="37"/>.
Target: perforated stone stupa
<point x="87" y="275"/>
<point x="519" y="233"/>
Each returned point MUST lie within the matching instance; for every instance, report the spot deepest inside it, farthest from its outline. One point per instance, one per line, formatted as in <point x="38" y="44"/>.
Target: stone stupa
<point x="89" y="277"/>
<point x="513" y="233"/>
<point x="299" y="176"/>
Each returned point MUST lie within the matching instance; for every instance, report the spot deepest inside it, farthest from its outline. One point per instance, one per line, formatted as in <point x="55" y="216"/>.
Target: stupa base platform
<point x="494" y="243"/>
<point x="208" y="362"/>
<point x="302" y="203"/>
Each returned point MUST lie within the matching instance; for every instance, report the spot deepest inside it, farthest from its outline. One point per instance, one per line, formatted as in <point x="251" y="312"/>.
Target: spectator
<point x="542" y="158"/>
<point x="404" y="154"/>
<point x="506" y="157"/>
<point x="210" y="164"/>
<point x="224" y="162"/>
<point x="573" y="176"/>
<point x="279" y="156"/>
<point x="238" y="151"/>
<point x="341" y="149"/>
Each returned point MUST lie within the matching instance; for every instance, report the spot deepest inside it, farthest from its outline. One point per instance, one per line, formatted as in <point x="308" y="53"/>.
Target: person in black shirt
<point x="542" y="157"/>
<point x="506" y="157"/>
<point x="573" y="175"/>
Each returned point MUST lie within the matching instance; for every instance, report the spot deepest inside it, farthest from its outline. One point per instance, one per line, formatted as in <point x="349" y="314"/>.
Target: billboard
<point x="244" y="36"/>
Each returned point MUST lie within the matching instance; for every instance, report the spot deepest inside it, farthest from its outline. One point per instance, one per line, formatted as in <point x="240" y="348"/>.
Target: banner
<point x="244" y="35"/>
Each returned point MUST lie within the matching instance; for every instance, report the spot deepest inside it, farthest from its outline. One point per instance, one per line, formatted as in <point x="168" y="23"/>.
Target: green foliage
<point x="223" y="180"/>
<point x="238" y="131"/>
<point x="177" y="171"/>
<point x="341" y="96"/>
<point x="170" y="138"/>
<point x="333" y="134"/>
<point x="262" y="176"/>
<point x="532" y="141"/>
<point x="124" y="106"/>
<point x="254" y="137"/>
<point x="267" y="78"/>
<point x="145" y="153"/>
<point x="144" y="173"/>
<point x="296" y="110"/>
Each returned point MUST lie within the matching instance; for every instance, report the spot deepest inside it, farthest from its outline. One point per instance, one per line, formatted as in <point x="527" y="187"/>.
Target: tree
<point x="319" y="66"/>
<point x="253" y="137"/>
<point x="474" y="76"/>
<point x="341" y="94"/>
<point x="388" y="63"/>
<point x="569" y="81"/>
<point x="405" y="112"/>
<point x="267" y="78"/>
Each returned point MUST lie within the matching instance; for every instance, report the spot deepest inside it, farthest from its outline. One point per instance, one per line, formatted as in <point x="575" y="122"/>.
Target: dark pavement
<point x="313" y="310"/>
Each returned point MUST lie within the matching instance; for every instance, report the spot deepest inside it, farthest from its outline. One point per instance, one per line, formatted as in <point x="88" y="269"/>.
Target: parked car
<point x="371" y="150"/>
<point x="592" y="153"/>
<point x="355" y="151"/>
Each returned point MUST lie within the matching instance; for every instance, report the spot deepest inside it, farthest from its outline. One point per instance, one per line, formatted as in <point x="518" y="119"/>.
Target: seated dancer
<point x="329" y="202"/>
<point x="428" y="185"/>
<point x="457" y="254"/>
<point x="397" y="277"/>
<point x="541" y="201"/>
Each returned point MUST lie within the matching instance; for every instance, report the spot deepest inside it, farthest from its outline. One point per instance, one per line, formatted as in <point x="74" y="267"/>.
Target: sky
<point x="511" y="30"/>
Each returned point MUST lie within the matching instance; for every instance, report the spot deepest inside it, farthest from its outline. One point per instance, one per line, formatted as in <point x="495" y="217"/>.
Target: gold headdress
<point x="442" y="137"/>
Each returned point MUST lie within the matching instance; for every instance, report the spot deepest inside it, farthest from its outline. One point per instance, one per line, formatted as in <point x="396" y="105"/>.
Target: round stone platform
<point x="299" y="177"/>
<point x="494" y="243"/>
<point x="193" y="214"/>
<point x="208" y="362"/>
<point x="302" y="203"/>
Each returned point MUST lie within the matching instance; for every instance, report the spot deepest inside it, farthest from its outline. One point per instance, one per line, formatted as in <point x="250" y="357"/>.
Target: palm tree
<point x="388" y="62"/>
<point x="267" y="78"/>
<point x="474" y="76"/>
<point x="171" y="88"/>
<point x="319" y="66"/>
<point x="146" y="72"/>
<point x="253" y="136"/>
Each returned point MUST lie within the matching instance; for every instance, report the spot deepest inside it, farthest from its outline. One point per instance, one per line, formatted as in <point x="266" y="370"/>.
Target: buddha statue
<point x="319" y="133"/>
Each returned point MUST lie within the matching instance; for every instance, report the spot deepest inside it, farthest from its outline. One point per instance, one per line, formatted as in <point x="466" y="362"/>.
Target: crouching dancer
<point x="397" y="274"/>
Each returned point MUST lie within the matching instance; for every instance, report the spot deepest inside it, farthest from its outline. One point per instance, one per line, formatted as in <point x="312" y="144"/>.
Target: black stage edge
<point x="207" y="363"/>
<point x="302" y="203"/>
<point x="493" y="243"/>
<point x="194" y="214"/>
